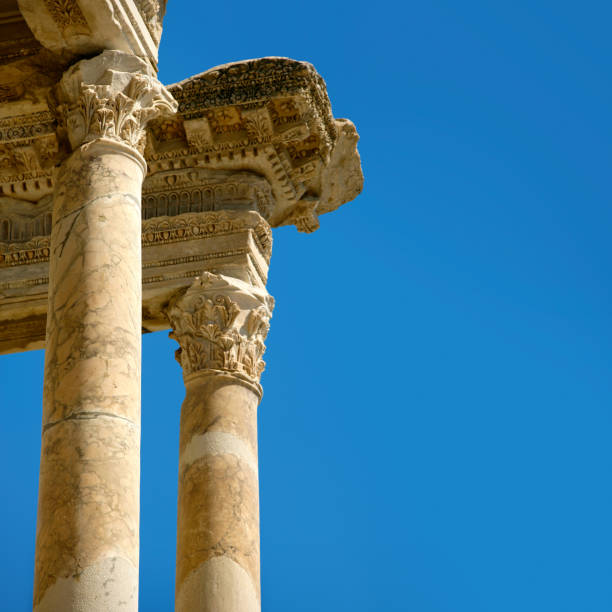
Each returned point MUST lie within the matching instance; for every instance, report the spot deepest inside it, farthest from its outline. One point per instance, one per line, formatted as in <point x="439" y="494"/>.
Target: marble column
<point x="220" y="324"/>
<point x="88" y="506"/>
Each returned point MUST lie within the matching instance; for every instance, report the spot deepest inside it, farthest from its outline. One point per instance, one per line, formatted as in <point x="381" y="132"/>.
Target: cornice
<point x="270" y="117"/>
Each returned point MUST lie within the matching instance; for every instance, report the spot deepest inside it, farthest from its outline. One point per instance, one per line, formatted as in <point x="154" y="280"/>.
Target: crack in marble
<point x="87" y="416"/>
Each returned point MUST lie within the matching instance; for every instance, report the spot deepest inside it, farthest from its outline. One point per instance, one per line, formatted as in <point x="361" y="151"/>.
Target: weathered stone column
<point x="88" y="507"/>
<point x="220" y="323"/>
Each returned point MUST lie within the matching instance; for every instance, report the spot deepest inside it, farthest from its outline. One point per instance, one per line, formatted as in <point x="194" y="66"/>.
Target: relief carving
<point x="166" y="230"/>
<point x="33" y="251"/>
<point x="221" y="324"/>
<point x="24" y="231"/>
<point x="67" y="13"/>
<point x="271" y="116"/>
<point x="28" y="150"/>
<point x="304" y="216"/>
<point x="200" y="190"/>
<point x="152" y="14"/>
<point x="117" y="105"/>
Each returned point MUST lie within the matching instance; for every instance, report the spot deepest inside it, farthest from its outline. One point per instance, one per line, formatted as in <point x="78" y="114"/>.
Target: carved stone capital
<point x="220" y="324"/>
<point x="112" y="96"/>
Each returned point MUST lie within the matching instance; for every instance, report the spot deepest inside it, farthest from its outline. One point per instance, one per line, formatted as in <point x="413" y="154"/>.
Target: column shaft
<point x="218" y="503"/>
<point x="220" y="324"/>
<point x="88" y="510"/>
<point x="88" y="504"/>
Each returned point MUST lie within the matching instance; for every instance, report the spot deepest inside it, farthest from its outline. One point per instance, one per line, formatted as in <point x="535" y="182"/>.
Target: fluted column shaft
<point x="220" y="324"/>
<point x="88" y="509"/>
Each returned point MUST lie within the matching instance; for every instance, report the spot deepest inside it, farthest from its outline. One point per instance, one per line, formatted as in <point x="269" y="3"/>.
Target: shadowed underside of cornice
<point x="255" y="138"/>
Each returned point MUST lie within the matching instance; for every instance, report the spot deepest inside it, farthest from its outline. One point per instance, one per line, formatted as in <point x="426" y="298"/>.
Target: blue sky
<point x="435" y="429"/>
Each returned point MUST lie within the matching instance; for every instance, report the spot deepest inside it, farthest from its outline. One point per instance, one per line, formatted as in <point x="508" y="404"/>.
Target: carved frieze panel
<point x="172" y="192"/>
<point x="171" y="202"/>
<point x="253" y="144"/>
<point x="28" y="150"/>
<point x="193" y="226"/>
<point x="177" y="248"/>
<point x="269" y="101"/>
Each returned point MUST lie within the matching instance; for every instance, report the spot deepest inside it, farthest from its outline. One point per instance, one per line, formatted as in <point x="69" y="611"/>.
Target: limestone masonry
<point x="127" y="206"/>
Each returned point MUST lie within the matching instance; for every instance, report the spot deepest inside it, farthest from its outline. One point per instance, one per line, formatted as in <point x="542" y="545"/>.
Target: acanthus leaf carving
<point x="221" y="324"/>
<point x="120" y="102"/>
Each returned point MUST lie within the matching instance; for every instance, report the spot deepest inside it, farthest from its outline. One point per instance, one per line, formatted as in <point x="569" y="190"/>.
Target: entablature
<point x="254" y="144"/>
<point x="78" y="28"/>
<point x="269" y="116"/>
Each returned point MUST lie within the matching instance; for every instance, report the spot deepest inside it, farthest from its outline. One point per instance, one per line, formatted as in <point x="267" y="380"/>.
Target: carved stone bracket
<point x="220" y="324"/>
<point x="112" y="96"/>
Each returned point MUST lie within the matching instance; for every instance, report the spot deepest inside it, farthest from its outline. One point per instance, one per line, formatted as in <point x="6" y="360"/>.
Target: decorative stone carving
<point x="277" y="129"/>
<point x="67" y="14"/>
<point x="28" y="150"/>
<point x="271" y="116"/>
<point x="78" y="28"/>
<point x="175" y="250"/>
<point x="220" y="324"/>
<point x="304" y="216"/>
<point x="253" y="143"/>
<point x="33" y="251"/>
<point x="264" y="151"/>
<point x="177" y="206"/>
<point x="152" y="12"/>
<point x="112" y="96"/>
<point x="165" y="230"/>
<point x="341" y="180"/>
<point x="199" y="190"/>
<point x="24" y="232"/>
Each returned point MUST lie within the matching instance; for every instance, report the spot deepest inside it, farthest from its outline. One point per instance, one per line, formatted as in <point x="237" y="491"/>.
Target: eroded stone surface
<point x="104" y="586"/>
<point x="89" y="484"/>
<point x="88" y="511"/>
<point x="77" y="28"/>
<point x="112" y="96"/>
<point x="252" y="144"/>
<point x="218" y="501"/>
<point x="257" y="135"/>
<point x="269" y="115"/>
<point x="93" y="326"/>
<point x="220" y="324"/>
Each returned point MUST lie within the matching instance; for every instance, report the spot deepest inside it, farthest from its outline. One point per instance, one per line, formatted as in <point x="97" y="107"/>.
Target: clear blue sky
<point x="435" y="434"/>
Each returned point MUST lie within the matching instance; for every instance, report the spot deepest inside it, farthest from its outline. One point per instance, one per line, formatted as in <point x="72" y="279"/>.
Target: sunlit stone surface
<point x="126" y="206"/>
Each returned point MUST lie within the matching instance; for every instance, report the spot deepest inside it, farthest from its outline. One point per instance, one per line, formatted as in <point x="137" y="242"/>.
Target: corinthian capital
<point x="112" y="96"/>
<point x="220" y="324"/>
